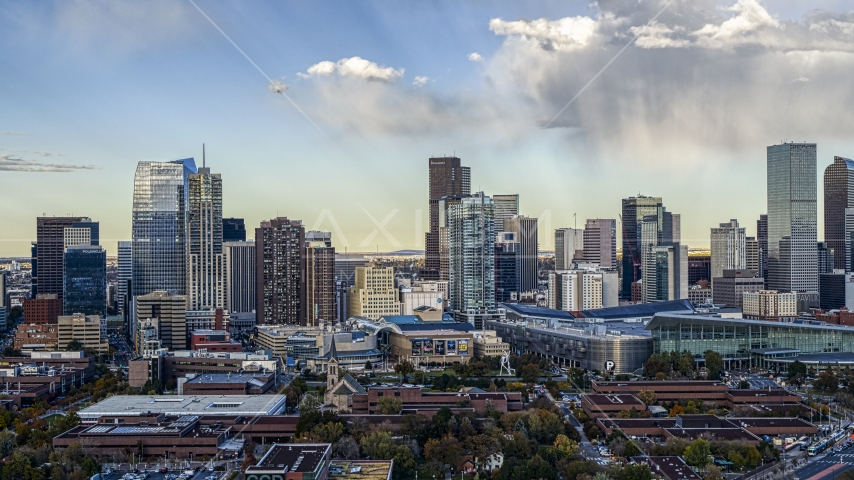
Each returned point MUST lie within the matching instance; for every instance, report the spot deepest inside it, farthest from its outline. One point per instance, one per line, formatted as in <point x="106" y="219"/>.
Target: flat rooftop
<point x="620" y="399"/>
<point x="360" y="469"/>
<point x="286" y="457"/>
<point x="670" y="467"/>
<point x="180" y="405"/>
<point x="237" y="378"/>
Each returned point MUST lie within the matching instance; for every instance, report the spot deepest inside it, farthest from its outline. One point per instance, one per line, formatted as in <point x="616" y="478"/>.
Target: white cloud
<point x="567" y="33"/>
<point x="656" y="35"/>
<point x="355" y="67"/>
<point x="745" y="27"/>
<point x="475" y="57"/>
<point x="421" y="81"/>
<point x="801" y="80"/>
<point x="14" y="163"/>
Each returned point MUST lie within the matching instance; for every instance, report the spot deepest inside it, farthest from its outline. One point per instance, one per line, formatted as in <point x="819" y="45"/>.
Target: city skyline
<point x="80" y="123"/>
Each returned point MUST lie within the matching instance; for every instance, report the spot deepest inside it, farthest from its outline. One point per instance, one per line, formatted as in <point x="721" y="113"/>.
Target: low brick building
<point x="229" y="384"/>
<point x="416" y="401"/>
<point x="693" y="426"/>
<point x="668" y="391"/>
<point x="603" y="406"/>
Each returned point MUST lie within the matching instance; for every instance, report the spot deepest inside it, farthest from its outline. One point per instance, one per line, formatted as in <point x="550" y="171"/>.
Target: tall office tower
<point x="792" y="262"/>
<point x="345" y="267"/>
<point x="472" y="258"/>
<point x="762" y="238"/>
<point x="124" y="275"/>
<point x="506" y="207"/>
<point x="444" y="252"/>
<point x="205" y="263"/>
<point x="699" y="268"/>
<point x="665" y="275"/>
<point x="849" y="240"/>
<point x="447" y="178"/>
<point x="838" y="196"/>
<point x="233" y="230"/>
<point x="3" y="307"/>
<point x="752" y="258"/>
<point x="240" y="276"/>
<point x="85" y="281"/>
<point x="50" y="243"/>
<point x="569" y="247"/>
<point x="159" y="239"/>
<point x="525" y="229"/>
<point x="507" y="255"/>
<point x="600" y="242"/>
<point x="826" y="258"/>
<point x="728" y="248"/>
<point x="634" y="209"/>
<point x="373" y="294"/>
<point x="280" y="272"/>
<point x="319" y="279"/>
<point x="34" y="270"/>
<point x="171" y="312"/>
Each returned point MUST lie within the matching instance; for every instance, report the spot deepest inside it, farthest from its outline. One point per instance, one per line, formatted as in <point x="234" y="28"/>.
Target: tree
<point x="368" y="366"/>
<point x="714" y="364"/>
<point x="797" y="368"/>
<point x="74" y="346"/>
<point x="566" y="446"/>
<point x="404" y="368"/>
<point x="714" y="473"/>
<point x="827" y="382"/>
<point x="380" y="445"/>
<point x="698" y="452"/>
<point x="444" y="450"/>
<point x="530" y="373"/>
<point x="685" y="364"/>
<point x="647" y="396"/>
<point x="389" y="406"/>
<point x="655" y="364"/>
<point x="634" y="472"/>
<point x="676" y="410"/>
<point x="345" y="448"/>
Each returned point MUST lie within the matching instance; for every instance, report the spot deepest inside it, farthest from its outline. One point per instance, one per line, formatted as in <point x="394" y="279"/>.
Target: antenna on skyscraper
<point x="203" y="156"/>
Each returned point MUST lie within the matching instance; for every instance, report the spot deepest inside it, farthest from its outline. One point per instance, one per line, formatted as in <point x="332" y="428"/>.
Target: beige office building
<point x="171" y="311"/>
<point x="86" y="330"/>
<point x="488" y="344"/>
<point x="373" y="294"/>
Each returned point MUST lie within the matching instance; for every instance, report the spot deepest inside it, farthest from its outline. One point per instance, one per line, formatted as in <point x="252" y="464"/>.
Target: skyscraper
<point x="507" y="255"/>
<point x="472" y="259"/>
<point x="373" y="294"/>
<point x="634" y="210"/>
<point x="233" y="230"/>
<point x="762" y="238"/>
<point x="240" y="276"/>
<point x="664" y="260"/>
<point x="124" y="274"/>
<point x="525" y="229"/>
<point x="319" y="278"/>
<point x="506" y="207"/>
<point x="838" y="196"/>
<point x="825" y="257"/>
<point x="159" y="239"/>
<point x="447" y="177"/>
<point x="50" y="242"/>
<point x="280" y="272"/>
<point x="569" y="244"/>
<point x="600" y="242"/>
<point x="171" y="312"/>
<point x="728" y="250"/>
<point x="752" y="258"/>
<point x="792" y="262"/>
<point x="85" y="289"/>
<point x="205" y="277"/>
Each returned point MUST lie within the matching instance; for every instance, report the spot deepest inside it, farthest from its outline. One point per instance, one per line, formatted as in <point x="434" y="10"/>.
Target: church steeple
<point x="332" y="366"/>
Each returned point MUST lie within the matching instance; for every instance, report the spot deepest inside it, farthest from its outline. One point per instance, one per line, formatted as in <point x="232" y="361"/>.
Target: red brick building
<point x="213" y="341"/>
<point x="44" y="309"/>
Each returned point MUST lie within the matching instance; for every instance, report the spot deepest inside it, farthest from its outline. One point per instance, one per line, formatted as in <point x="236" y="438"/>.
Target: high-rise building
<point x="507" y="255"/>
<point x="826" y="257"/>
<point x="762" y="238"/>
<point x="752" y="256"/>
<point x="280" y="272"/>
<point x="506" y="207"/>
<point x="665" y="275"/>
<point x="836" y="290"/>
<point x="345" y="267"/>
<point x="699" y="269"/>
<point x="124" y="275"/>
<point x="447" y="178"/>
<point x="373" y="294"/>
<point x="233" y="230"/>
<point x="42" y="310"/>
<point x="792" y="262"/>
<point x="240" y="280"/>
<point x="50" y="251"/>
<point x="205" y="276"/>
<point x="472" y="258"/>
<point x="634" y="209"/>
<point x="838" y="196"/>
<point x="728" y="248"/>
<point x="319" y="278"/>
<point x="770" y="304"/>
<point x="600" y="242"/>
<point x="171" y="312"/>
<point x="85" y="281"/>
<point x="444" y="249"/>
<point x="569" y="247"/>
<point x="525" y="229"/>
<point x="730" y="287"/>
<point x="159" y="240"/>
<point x="575" y="290"/>
<point x="85" y="329"/>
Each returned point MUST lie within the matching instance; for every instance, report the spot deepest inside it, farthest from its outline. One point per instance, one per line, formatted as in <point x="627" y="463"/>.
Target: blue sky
<point x="90" y="88"/>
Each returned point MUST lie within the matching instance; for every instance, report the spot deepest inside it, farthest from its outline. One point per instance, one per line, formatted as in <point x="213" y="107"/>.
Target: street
<point x="822" y="467"/>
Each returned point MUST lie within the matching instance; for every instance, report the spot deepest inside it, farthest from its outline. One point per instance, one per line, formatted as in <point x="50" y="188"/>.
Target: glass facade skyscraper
<point x="634" y="210"/>
<point x="838" y="196"/>
<point x="159" y="226"/>
<point x="471" y="245"/>
<point x="85" y="285"/>
<point x="205" y="263"/>
<point x="792" y="218"/>
<point x="124" y="274"/>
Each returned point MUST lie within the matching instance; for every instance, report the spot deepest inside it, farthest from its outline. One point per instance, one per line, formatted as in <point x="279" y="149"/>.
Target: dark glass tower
<point x="85" y="288"/>
<point x="447" y="178"/>
<point x="838" y="195"/>
<point x="634" y="210"/>
<point x="233" y="230"/>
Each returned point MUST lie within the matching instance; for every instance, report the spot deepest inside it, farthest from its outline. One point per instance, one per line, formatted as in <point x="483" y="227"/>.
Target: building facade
<point x="447" y="178"/>
<point x="171" y="312"/>
<point x="525" y="229"/>
<point x="728" y="248"/>
<point x="770" y="305"/>
<point x="85" y="288"/>
<point x="87" y="330"/>
<point x="124" y="275"/>
<point x="838" y="196"/>
<point x="205" y="264"/>
<point x="575" y="290"/>
<point x="634" y="209"/>
<point x="50" y="240"/>
<point x="240" y="263"/>
<point x="730" y="287"/>
<point x="373" y="295"/>
<point x="280" y="272"/>
<point x="792" y="218"/>
<point x="506" y="207"/>
<point x="569" y="247"/>
<point x="159" y="240"/>
<point x="600" y="242"/>
<point x="836" y="290"/>
<point x="320" y="279"/>
<point x="233" y="230"/>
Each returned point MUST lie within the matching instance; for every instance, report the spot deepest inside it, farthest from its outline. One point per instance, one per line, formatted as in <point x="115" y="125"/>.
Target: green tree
<point x="529" y="373"/>
<point x="685" y="364"/>
<point x="404" y="368"/>
<point x="74" y="346"/>
<point x="647" y="396"/>
<point x="698" y="452"/>
<point x="566" y="446"/>
<point x="797" y="368"/>
<point x="380" y="445"/>
<point x="634" y="472"/>
<point x="826" y="382"/>
<point x="368" y="366"/>
<point x="655" y="364"/>
<point x="389" y="406"/>
<point x="714" y="364"/>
